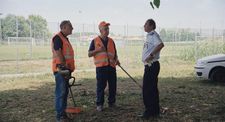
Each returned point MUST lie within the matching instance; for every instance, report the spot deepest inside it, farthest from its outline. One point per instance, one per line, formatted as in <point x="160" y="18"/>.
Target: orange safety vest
<point x="67" y="52"/>
<point x="105" y="58"/>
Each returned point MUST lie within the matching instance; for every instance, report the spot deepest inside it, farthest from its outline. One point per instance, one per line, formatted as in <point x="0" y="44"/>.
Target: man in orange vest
<point x="103" y="49"/>
<point x="63" y="57"/>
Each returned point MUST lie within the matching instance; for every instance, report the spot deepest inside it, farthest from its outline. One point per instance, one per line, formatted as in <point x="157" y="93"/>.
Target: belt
<point x="55" y="73"/>
<point x="152" y="63"/>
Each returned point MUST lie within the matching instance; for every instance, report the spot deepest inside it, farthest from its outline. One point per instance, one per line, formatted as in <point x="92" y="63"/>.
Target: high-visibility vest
<point x="105" y="58"/>
<point x="67" y="52"/>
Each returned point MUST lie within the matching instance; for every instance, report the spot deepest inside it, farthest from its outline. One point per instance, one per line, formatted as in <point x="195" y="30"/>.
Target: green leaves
<point x="155" y="3"/>
<point x="35" y="24"/>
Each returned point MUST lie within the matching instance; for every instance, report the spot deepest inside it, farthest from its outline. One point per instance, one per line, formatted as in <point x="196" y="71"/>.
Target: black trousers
<point x="106" y="75"/>
<point x="150" y="89"/>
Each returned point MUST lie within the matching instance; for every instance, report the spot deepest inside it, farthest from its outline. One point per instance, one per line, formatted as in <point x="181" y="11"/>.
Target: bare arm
<point x="92" y="53"/>
<point x="61" y="57"/>
<point x="97" y="50"/>
<point x="157" y="49"/>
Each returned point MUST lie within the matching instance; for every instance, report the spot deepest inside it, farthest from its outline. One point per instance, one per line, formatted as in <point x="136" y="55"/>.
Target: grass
<point x="31" y="98"/>
<point x="200" y="49"/>
<point x="25" y="59"/>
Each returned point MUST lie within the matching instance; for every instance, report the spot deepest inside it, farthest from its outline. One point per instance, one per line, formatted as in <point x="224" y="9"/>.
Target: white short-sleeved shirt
<point x="151" y="42"/>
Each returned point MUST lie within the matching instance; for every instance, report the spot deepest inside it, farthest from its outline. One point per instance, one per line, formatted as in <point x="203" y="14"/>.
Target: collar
<point x="63" y="34"/>
<point x="103" y="39"/>
<point x="151" y="32"/>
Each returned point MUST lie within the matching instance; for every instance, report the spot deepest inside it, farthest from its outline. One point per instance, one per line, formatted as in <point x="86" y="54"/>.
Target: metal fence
<point x="25" y="55"/>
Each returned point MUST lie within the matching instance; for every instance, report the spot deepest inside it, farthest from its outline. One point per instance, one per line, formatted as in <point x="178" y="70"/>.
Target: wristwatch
<point x="151" y="55"/>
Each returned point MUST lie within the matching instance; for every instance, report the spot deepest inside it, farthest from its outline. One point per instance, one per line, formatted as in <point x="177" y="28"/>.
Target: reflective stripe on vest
<point x="110" y="55"/>
<point x="66" y="56"/>
<point x="67" y="52"/>
<point x="101" y="54"/>
<point x="104" y="58"/>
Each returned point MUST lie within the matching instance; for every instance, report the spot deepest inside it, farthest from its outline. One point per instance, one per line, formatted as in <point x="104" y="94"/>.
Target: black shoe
<point x="147" y="116"/>
<point x="63" y="119"/>
<point x="155" y="115"/>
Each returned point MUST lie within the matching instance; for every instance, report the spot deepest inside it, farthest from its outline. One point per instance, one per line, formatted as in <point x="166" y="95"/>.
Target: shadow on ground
<point x="186" y="99"/>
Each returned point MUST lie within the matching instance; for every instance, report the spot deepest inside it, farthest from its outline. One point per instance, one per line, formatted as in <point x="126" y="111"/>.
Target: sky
<point x="171" y="13"/>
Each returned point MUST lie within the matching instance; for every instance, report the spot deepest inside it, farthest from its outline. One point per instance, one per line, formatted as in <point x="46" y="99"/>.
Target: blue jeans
<point x="104" y="74"/>
<point x="61" y="93"/>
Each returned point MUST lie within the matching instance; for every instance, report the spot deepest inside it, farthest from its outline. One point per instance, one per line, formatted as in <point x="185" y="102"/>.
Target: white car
<point x="211" y="67"/>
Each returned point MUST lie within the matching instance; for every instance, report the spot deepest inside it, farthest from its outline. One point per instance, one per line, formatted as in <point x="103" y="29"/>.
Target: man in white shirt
<point x="150" y="57"/>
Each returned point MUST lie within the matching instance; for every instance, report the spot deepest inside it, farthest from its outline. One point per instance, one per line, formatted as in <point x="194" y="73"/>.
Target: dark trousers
<point x="150" y="89"/>
<point x="104" y="75"/>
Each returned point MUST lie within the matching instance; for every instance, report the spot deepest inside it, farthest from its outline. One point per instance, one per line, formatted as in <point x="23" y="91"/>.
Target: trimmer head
<point x="73" y="110"/>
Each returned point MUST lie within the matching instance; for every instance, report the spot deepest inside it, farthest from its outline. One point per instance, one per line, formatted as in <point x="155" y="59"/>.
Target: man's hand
<point x="97" y="50"/>
<point x="100" y="49"/>
<point x="118" y="62"/>
<point x="149" y="58"/>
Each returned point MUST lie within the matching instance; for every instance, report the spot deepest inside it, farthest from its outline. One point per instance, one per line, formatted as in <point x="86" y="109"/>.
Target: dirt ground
<point x="186" y="99"/>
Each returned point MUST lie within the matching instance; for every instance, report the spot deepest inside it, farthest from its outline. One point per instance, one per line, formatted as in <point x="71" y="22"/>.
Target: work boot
<point x="147" y="115"/>
<point x="99" y="108"/>
<point x="63" y="120"/>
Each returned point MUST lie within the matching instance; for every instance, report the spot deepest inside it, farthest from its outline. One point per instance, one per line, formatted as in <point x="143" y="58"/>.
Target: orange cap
<point x="103" y="24"/>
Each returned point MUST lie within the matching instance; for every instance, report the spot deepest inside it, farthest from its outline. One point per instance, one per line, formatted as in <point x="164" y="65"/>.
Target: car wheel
<point x="218" y="75"/>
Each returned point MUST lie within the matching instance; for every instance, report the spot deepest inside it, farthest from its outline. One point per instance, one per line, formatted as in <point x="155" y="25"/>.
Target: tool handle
<point x="73" y="81"/>
<point x="71" y="93"/>
<point x="130" y="76"/>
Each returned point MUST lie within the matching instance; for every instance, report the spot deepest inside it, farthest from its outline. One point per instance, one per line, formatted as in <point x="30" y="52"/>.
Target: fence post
<point x="31" y="41"/>
<point x="17" y="48"/>
<point x="0" y="29"/>
<point x="196" y="47"/>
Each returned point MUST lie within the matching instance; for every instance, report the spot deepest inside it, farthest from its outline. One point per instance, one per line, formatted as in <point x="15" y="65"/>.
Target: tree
<point x="177" y="35"/>
<point x="163" y="34"/>
<point x="38" y="26"/>
<point x="23" y="27"/>
<point x="155" y="3"/>
<point x="9" y="26"/>
<point x="35" y="26"/>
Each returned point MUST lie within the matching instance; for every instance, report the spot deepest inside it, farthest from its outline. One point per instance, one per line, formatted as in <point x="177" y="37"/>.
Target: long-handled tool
<point x="71" y="111"/>
<point x="71" y="82"/>
<point x="130" y="76"/>
<point x="70" y="85"/>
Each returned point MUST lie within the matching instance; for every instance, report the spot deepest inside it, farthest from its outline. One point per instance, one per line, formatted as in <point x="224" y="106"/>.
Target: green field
<point x="31" y="98"/>
<point x="17" y="59"/>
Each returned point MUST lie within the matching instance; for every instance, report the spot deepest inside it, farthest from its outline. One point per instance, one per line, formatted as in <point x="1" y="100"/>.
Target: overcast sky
<point x="172" y="13"/>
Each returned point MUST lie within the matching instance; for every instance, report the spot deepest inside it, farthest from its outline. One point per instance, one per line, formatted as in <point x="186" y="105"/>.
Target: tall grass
<point x="196" y="50"/>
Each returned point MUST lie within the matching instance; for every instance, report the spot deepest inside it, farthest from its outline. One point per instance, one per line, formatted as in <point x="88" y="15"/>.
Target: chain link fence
<point x="28" y="55"/>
